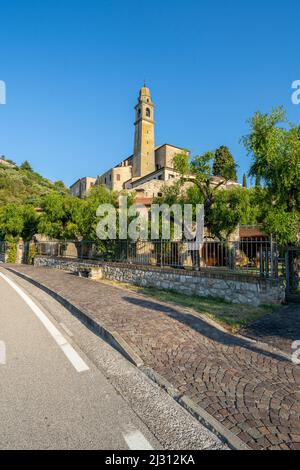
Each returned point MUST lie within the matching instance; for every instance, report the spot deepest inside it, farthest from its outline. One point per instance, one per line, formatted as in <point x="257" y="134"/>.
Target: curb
<point x="117" y="342"/>
<point x="234" y="442"/>
<point x="111" y="337"/>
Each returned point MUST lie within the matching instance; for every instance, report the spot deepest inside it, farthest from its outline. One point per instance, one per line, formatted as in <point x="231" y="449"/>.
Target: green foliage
<point x="19" y="186"/>
<point x="26" y="166"/>
<point x="181" y="163"/>
<point x="257" y="181"/>
<point x="224" y="164"/>
<point x="88" y="218"/>
<point x="244" y="181"/>
<point x="17" y="221"/>
<point x="31" y="253"/>
<point x="227" y="212"/>
<point x="11" y="251"/>
<point x="11" y="222"/>
<point x="60" y="216"/>
<point x="206" y="189"/>
<point x="274" y="145"/>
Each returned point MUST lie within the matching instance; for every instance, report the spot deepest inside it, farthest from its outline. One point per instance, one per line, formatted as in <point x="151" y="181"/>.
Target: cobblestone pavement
<point x="279" y="329"/>
<point x="252" y="392"/>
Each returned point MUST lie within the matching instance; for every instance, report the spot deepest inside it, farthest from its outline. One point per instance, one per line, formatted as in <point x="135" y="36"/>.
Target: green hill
<point x="21" y="185"/>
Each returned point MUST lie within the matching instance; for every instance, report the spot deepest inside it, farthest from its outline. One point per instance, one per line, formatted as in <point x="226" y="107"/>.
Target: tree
<point x="98" y="194"/>
<point x="61" y="216"/>
<point x="199" y="173"/>
<point x="231" y="207"/>
<point x="274" y="145"/>
<point x="60" y="186"/>
<point x="224" y="164"/>
<point x="26" y="166"/>
<point x="30" y="222"/>
<point x="11" y="222"/>
<point x="257" y="181"/>
<point x="244" y="181"/>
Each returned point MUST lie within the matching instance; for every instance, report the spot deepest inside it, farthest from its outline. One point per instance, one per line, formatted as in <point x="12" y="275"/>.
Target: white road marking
<point x="68" y="350"/>
<point x="2" y="353"/>
<point x="137" y="441"/>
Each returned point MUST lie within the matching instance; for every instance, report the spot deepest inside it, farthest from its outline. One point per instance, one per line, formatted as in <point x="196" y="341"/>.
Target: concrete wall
<point x="235" y="288"/>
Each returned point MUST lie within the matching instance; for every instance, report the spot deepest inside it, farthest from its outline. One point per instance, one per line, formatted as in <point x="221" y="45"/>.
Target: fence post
<point x="262" y="269"/>
<point x="272" y="257"/>
<point x="233" y="251"/>
<point x="287" y="270"/>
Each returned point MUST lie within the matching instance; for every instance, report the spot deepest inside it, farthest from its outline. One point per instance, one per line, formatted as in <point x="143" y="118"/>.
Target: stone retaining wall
<point x="236" y="288"/>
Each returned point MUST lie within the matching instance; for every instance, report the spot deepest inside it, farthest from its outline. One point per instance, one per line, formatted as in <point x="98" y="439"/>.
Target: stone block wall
<point x="235" y="288"/>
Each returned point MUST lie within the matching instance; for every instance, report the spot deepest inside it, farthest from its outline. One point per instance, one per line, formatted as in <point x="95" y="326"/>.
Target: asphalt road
<point x="51" y="395"/>
<point x="63" y="387"/>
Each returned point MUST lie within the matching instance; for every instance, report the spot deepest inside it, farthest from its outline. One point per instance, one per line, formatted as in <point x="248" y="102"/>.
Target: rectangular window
<point x="118" y="177"/>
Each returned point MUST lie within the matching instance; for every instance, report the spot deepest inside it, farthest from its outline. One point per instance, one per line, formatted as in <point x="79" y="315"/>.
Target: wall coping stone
<point x="202" y="273"/>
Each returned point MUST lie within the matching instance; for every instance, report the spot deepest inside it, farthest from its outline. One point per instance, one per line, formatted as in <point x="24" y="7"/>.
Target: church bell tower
<point x="144" y="153"/>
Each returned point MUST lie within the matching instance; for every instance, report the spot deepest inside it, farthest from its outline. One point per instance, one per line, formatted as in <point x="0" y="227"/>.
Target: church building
<point x="150" y="166"/>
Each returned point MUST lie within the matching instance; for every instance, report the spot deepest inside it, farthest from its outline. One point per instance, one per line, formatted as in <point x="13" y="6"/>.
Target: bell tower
<point x="144" y="154"/>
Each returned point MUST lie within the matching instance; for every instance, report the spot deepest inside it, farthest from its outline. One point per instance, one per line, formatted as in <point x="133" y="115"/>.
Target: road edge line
<point x="118" y="343"/>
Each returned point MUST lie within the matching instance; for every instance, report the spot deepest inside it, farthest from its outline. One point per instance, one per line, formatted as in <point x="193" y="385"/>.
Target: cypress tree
<point x="224" y="164"/>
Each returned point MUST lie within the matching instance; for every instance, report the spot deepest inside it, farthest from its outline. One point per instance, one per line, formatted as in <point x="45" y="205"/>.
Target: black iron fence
<point x="259" y="257"/>
<point x="292" y="266"/>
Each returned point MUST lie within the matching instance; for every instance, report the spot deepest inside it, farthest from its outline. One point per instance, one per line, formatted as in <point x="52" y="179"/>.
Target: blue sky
<point x="73" y="69"/>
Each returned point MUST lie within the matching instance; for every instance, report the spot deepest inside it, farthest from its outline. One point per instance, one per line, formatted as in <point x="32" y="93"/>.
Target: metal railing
<point x="258" y="257"/>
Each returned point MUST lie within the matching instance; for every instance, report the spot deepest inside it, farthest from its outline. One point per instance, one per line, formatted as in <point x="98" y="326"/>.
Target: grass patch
<point x="233" y="317"/>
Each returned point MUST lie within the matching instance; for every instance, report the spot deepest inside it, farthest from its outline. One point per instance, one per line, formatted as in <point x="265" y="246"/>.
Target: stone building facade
<point x="82" y="186"/>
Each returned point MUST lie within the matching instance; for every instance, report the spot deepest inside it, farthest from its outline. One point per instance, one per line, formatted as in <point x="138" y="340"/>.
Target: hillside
<point x="18" y="185"/>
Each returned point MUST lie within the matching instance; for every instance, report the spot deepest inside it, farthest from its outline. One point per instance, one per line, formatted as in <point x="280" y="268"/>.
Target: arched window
<point x="148" y="112"/>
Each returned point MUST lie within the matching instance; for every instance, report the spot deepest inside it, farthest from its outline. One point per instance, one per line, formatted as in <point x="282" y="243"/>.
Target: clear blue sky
<point x="73" y="69"/>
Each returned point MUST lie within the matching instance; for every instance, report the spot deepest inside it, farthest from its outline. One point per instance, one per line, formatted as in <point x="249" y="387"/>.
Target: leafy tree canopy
<point x="274" y="145"/>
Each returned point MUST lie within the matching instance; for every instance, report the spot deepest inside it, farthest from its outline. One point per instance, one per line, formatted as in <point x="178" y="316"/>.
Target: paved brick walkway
<point x="279" y="329"/>
<point x="254" y="393"/>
